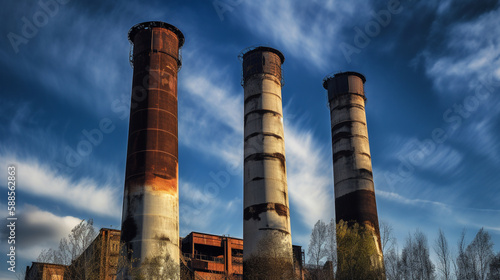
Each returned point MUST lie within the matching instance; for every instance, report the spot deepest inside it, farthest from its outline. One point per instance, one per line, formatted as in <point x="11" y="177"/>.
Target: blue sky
<point x="433" y="110"/>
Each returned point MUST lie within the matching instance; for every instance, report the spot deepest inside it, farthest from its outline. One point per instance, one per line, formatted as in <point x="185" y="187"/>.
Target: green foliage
<point x="357" y="256"/>
<point x="267" y="268"/>
<point x="274" y="263"/>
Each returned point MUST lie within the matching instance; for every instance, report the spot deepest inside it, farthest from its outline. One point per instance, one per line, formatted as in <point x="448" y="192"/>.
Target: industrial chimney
<point x="150" y="221"/>
<point x="266" y="225"/>
<point x="352" y="167"/>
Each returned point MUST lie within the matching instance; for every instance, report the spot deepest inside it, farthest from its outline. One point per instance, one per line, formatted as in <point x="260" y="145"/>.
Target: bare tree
<point x="331" y="243"/>
<point x="480" y="252"/>
<point x="444" y="257"/>
<point x="407" y="262"/>
<point x="415" y="260"/>
<point x="391" y="263"/>
<point x="473" y="261"/>
<point x="390" y="251"/>
<point x="386" y="236"/>
<point x="494" y="273"/>
<point x="318" y="245"/>
<point x="71" y="248"/>
<point x="322" y="245"/>
<point x="463" y="266"/>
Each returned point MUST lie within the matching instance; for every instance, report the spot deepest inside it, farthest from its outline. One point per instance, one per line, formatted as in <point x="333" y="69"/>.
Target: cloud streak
<point x="211" y="110"/>
<point x="85" y="194"/>
<point x="309" y="30"/>
<point x="466" y="216"/>
<point x="38" y="229"/>
<point x="309" y="176"/>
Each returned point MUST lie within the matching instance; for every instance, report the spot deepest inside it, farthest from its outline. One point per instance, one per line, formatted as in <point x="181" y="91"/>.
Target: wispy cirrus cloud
<point x="469" y="55"/>
<point x="80" y="56"/>
<point x="411" y="201"/>
<point x="465" y="70"/>
<point x="42" y="180"/>
<point x="465" y="216"/>
<point x="309" y="30"/>
<point x="425" y="155"/>
<point x="309" y="173"/>
<point x="38" y="229"/>
<point x="210" y="109"/>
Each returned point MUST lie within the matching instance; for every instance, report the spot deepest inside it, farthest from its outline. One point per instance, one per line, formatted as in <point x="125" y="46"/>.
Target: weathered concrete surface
<point x="150" y="222"/>
<point x="352" y="167"/>
<point x="266" y="225"/>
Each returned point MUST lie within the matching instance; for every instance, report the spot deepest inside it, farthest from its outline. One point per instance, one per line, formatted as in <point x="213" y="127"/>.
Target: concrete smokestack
<point x="150" y="221"/>
<point x="352" y="166"/>
<point x="266" y="225"/>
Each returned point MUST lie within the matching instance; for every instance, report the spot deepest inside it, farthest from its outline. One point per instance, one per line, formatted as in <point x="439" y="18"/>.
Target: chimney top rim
<point x="263" y="49"/>
<point x="150" y="24"/>
<point x="346" y="73"/>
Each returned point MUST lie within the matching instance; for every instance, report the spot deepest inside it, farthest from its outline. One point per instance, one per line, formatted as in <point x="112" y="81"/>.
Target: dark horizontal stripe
<point x="352" y="105"/>
<point x="261" y="112"/>
<point x="356" y="178"/>
<point x="257" y="95"/>
<point x="345" y="135"/>
<point x="263" y="134"/>
<point x="341" y="154"/>
<point x="258" y="179"/>
<point x="252" y="97"/>
<point x="276" y="229"/>
<point x="265" y="156"/>
<point x="346" y="124"/>
<point x="338" y="95"/>
<point x="253" y="212"/>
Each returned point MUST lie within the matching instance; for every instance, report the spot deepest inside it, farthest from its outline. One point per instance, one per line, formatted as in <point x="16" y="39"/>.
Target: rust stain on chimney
<point x="150" y="226"/>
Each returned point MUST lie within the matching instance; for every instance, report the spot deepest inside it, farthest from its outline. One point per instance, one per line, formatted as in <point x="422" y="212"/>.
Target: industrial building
<point x="45" y="271"/>
<point x="98" y="261"/>
<point x="202" y="257"/>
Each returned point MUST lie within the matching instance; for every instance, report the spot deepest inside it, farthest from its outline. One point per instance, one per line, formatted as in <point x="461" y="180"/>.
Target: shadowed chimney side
<point x="150" y="221"/>
<point x="266" y="225"/>
<point x="352" y="166"/>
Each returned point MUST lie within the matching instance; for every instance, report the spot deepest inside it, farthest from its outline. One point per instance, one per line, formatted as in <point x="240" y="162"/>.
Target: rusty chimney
<point x="266" y="225"/>
<point x="352" y="166"/>
<point x="150" y="221"/>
